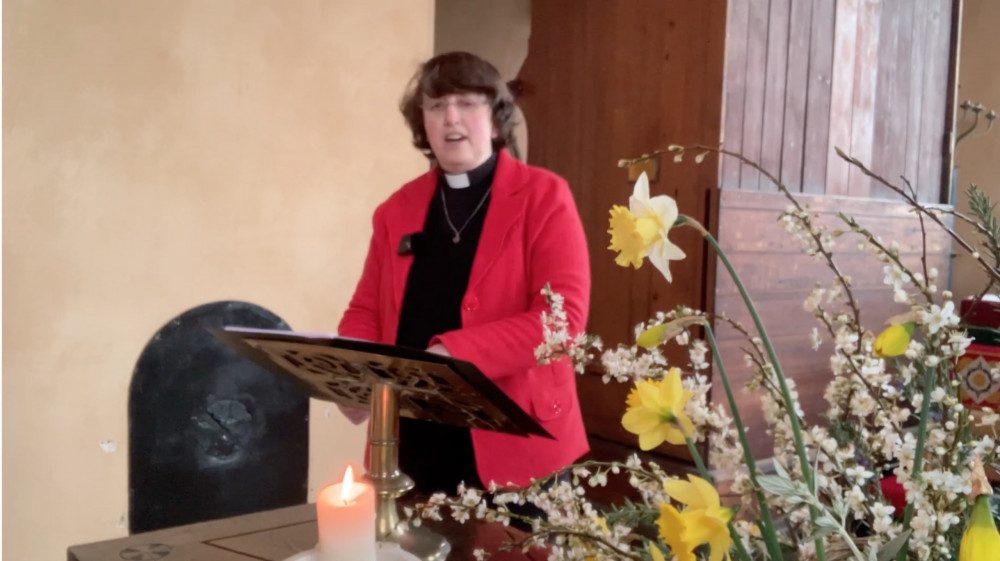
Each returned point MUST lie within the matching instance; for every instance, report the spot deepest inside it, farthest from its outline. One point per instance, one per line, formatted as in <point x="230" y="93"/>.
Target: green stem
<point x="918" y="454"/>
<point x="765" y="523"/>
<point x="779" y="374"/>
<point x="849" y="540"/>
<point x="696" y="456"/>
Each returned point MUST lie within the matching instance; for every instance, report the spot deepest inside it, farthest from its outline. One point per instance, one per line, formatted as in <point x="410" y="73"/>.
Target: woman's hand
<point x="438" y="349"/>
<point x="356" y="415"/>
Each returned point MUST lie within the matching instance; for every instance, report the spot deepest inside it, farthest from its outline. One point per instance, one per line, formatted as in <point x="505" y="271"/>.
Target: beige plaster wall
<point x="977" y="157"/>
<point x="163" y="154"/>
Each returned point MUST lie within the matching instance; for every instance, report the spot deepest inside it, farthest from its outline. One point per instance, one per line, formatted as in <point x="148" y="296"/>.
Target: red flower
<point x="894" y="493"/>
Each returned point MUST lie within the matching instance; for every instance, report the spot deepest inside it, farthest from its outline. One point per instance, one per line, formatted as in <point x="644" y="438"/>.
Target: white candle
<point x="345" y="514"/>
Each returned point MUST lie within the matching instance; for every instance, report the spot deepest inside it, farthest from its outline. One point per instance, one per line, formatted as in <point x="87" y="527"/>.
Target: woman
<point x="457" y="260"/>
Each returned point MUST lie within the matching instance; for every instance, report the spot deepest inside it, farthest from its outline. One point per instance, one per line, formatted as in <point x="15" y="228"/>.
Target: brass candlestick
<point x="390" y="483"/>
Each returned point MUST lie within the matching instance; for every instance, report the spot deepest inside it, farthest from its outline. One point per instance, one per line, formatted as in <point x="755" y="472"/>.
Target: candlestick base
<point x="390" y="483"/>
<point x="384" y="551"/>
<point x="421" y="542"/>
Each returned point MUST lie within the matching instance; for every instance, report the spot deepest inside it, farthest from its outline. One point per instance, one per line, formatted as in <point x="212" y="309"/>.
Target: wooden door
<point x="610" y="80"/>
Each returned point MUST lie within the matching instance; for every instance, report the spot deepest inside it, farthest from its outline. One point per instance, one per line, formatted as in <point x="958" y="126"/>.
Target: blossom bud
<point x="894" y="340"/>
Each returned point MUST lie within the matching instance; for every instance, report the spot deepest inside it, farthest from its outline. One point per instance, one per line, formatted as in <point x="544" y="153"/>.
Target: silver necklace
<point x="458" y="231"/>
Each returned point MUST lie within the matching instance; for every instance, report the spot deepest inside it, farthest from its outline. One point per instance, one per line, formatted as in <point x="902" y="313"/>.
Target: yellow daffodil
<point x="893" y="341"/>
<point x="705" y="519"/>
<point x="672" y="530"/>
<point x="641" y="230"/>
<point x="980" y="540"/>
<point x="631" y="236"/>
<point x="632" y="400"/>
<point x="659" y="411"/>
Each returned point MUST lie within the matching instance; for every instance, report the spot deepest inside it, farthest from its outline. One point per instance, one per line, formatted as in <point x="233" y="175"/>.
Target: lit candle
<point x="345" y="514"/>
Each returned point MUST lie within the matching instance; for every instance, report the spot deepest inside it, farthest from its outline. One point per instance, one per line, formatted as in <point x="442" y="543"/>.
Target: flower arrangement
<point x="893" y="413"/>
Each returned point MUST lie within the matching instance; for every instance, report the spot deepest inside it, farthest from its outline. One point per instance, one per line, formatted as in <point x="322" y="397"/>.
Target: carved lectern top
<point x="342" y="370"/>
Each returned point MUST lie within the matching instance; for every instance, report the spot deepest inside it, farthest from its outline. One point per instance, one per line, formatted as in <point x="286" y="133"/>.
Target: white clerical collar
<point x="457" y="180"/>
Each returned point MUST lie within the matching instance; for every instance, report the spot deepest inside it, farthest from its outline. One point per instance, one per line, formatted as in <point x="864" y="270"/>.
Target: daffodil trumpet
<point x="702" y="521"/>
<point x="640" y="231"/>
<point x="980" y="542"/>
<point x="658" y="414"/>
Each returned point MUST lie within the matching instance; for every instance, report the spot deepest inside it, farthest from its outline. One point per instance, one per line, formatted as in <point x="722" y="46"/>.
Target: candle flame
<point x="345" y="487"/>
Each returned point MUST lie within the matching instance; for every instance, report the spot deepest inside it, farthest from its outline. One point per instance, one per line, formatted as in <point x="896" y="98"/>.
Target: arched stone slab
<point x="211" y="434"/>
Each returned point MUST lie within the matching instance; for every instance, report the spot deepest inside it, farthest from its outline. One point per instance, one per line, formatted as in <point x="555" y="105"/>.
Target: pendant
<point x="456" y="239"/>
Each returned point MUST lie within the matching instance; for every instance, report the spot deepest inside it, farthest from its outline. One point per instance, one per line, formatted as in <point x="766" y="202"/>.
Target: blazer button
<point x="470" y="304"/>
<point x="556" y="407"/>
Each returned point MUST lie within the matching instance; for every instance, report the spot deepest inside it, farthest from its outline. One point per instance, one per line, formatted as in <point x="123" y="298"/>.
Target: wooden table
<point x="273" y="535"/>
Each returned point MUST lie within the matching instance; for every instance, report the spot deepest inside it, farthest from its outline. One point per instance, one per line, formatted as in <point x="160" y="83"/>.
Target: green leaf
<point x="889" y="550"/>
<point x="827" y="521"/>
<point x="824" y="526"/>
<point x="820" y="532"/>
<point x="794" y="500"/>
<point x="777" y="485"/>
<point x="632" y="514"/>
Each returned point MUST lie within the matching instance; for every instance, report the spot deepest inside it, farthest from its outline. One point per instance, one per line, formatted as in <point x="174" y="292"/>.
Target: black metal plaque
<point x="212" y="434"/>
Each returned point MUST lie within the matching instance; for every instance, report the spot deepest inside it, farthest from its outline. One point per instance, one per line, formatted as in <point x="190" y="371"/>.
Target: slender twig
<point x="890" y="255"/>
<point x="873" y="392"/>
<point x="974" y="223"/>
<point x="923" y="210"/>
<point x="968" y="131"/>
<point x="530" y="540"/>
<point x="923" y="232"/>
<point x="742" y="330"/>
<point x="821" y="247"/>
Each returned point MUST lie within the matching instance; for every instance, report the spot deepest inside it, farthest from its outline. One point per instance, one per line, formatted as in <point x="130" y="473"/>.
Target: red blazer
<point x="531" y="236"/>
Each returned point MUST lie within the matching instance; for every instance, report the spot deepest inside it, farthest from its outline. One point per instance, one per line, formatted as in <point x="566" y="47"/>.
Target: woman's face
<point x="459" y="129"/>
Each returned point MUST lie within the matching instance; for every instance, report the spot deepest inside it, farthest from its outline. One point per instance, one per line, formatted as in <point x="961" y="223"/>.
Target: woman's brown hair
<point x="459" y="72"/>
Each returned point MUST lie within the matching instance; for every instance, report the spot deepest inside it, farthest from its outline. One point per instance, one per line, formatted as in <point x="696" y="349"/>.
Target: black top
<point x="436" y="456"/>
<point x="440" y="270"/>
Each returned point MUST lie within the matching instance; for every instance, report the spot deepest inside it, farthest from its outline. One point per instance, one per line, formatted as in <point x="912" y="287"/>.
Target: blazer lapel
<point x="501" y="214"/>
<point x="408" y="219"/>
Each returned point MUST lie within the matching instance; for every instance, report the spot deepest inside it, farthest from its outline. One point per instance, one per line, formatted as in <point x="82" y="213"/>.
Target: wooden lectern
<point x="392" y="382"/>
